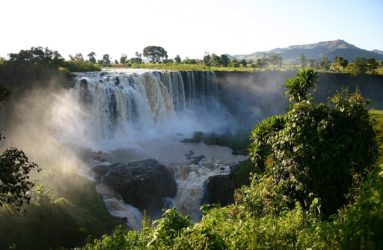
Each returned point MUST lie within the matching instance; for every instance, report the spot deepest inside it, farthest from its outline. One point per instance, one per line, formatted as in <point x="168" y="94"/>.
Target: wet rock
<point x="218" y="189"/>
<point x="197" y="159"/>
<point x="116" y="81"/>
<point x="102" y="169"/>
<point x="83" y="84"/>
<point x="189" y="155"/>
<point x="142" y="184"/>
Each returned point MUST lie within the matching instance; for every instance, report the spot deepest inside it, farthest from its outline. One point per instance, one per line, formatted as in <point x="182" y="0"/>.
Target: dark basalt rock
<point x="218" y="189"/>
<point x="143" y="184"/>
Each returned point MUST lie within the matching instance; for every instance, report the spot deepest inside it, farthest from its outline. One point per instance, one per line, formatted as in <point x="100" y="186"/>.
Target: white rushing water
<point x="132" y="115"/>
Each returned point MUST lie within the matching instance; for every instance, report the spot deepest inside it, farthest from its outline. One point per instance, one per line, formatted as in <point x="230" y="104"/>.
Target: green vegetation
<point x="184" y="67"/>
<point x="155" y="53"/>
<point x="80" y="66"/>
<point x="314" y="185"/>
<point x="49" y="209"/>
<point x="15" y="167"/>
<point x="14" y="179"/>
<point x="316" y="182"/>
<point x="65" y="211"/>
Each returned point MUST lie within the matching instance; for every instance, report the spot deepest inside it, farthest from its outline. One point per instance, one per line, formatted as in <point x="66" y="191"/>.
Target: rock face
<point x="142" y="184"/>
<point x="218" y="189"/>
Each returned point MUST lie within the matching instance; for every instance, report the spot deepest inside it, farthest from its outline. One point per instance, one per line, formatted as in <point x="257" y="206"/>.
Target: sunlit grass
<point x="189" y="67"/>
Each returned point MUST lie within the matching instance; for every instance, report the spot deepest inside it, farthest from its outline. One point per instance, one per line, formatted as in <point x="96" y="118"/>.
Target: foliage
<point x="123" y="59"/>
<point x="242" y="173"/>
<point x="362" y="66"/>
<point x="177" y="59"/>
<point x="340" y="63"/>
<point x="66" y="211"/>
<point x="187" y="65"/>
<point x="260" y="148"/>
<point x="168" y="228"/>
<point x="298" y="87"/>
<point x="225" y="60"/>
<point x="376" y="117"/>
<point x="308" y="152"/>
<point x="37" y="56"/>
<point x="14" y="179"/>
<point x="106" y="60"/>
<point x="92" y="57"/>
<point x="155" y="53"/>
<point x="81" y="66"/>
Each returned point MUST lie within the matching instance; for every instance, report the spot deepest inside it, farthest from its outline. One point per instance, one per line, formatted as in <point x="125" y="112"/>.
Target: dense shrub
<point x="315" y="149"/>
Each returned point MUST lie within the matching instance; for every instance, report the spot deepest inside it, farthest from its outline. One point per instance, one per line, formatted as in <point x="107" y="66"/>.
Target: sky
<point x="189" y="28"/>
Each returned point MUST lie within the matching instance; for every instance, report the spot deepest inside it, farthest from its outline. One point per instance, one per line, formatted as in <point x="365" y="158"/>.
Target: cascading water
<point x="135" y="115"/>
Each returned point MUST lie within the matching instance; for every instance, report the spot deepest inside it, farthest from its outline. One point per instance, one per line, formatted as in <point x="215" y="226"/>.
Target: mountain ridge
<point x="317" y="51"/>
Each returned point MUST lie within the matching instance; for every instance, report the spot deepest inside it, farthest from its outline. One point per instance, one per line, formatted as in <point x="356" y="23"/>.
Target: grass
<point x="201" y="67"/>
<point x="379" y="70"/>
<point x="186" y="67"/>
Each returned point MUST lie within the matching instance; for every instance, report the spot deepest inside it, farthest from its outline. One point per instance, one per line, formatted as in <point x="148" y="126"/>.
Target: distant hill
<point x="378" y="51"/>
<point x="317" y="51"/>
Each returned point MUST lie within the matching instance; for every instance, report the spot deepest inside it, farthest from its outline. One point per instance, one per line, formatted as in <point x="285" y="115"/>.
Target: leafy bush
<point x="315" y="149"/>
<point x="168" y="228"/>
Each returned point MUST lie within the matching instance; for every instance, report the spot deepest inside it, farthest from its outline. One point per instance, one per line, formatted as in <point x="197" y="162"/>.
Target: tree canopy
<point x="311" y="153"/>
<point x="155" y="53"/>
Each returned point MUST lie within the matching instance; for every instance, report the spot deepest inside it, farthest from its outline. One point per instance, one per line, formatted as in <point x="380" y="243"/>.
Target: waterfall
<point x="113" y="101"/>
<point x="136" y="115"/>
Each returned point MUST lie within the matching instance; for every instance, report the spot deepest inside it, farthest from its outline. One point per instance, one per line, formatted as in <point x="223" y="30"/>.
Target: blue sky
<point x="187" y="28"/>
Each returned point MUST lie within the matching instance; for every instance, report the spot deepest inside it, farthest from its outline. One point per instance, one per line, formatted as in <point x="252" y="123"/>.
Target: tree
<point x="14" y="179"/>
<point x="243" y="62"/>
<point x="92" y="57"/>
<point x="234" y="63"/>
<point x="340" y="62"/>
<point x="359" y="66"/>
<point x="123" y="59"/>
<point x="308" y="153"/>
<point x="78" y="57"/>
<point x="155" y="53"/>
<point x="207" y="60"/>
<point x="298" y="87"/>
<point x="14" y="174"/>
<point x="177" y="59"/>
<point x="215" y="60"/>
<point x="138" y="54"/>
<point x="225" y="61"/>
<point x="372" y="64"/>
<point x="105" y="60"/>
<point x="137" y="59"/>
<point x="38" y="56"/>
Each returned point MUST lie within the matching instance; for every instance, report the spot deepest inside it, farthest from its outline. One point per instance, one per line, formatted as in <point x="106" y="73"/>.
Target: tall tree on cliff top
<point x="155" y="53"/>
